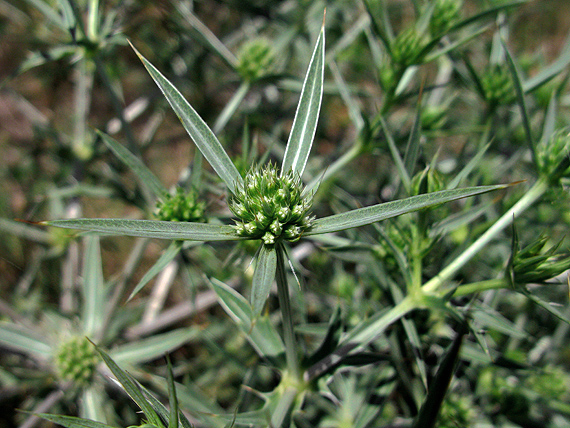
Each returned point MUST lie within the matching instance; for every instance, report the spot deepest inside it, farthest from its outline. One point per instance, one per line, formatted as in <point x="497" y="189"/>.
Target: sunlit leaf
<point x="368" y="215"/>
<point x="263" y="277"/>
<point x="151" y="229"/>
<point x="307" y="115"/>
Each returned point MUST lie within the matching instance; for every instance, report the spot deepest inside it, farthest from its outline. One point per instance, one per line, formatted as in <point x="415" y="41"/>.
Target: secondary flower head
<point x="76" y="359"/>
<point x="271" y="207"/>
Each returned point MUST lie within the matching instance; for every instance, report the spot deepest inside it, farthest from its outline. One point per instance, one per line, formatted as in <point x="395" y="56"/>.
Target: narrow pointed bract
<point x="307" y="115"/>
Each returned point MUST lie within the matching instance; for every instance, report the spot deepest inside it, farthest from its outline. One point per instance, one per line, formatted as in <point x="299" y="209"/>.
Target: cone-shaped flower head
<point x="271" y="207"/>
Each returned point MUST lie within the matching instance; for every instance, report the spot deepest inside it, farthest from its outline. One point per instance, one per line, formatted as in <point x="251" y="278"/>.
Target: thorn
<point x="35" y="223"/>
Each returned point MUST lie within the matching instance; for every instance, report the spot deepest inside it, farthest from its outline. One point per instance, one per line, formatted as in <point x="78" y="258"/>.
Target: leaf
<point x="93" y="290"/>
<point x="517" y="81"/>
<point x="550" y="71"/>
<point x="167" y="256"/>
<point x="368" y="215"/>
<point x="413" y="146"/>
<point x="263" y="277"/>
<point x="427" y="416"/>
<point x="48" y="12"/>
<point x="172" y="399"/>
<point x="234" y="304"/>
<point x="402" y="172"/>
<point x="21" y="339"/>
<point x="144" y="175"/>
<point x="72" y="421"/>
<point x="307" y="115"/>
<point x="24" y="230"/>
<point x="182" y="231"/>
<point x="261" y="334"/>
<point x="91" y="403"/>
<point x="153" y="347"/>
<point x="202" y="135"/>
<point x="132" y="388"/>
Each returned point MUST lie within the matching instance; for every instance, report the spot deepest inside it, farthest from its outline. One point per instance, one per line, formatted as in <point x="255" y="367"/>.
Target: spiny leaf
<point x="202" y="135"/>
<point x="368" y="215"/>
<point x="145" y="176"/>
<point x="183" y="231"/>
<point x="306" y="117"/>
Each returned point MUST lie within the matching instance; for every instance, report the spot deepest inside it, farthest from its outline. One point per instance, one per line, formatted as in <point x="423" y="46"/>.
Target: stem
<point x="477" y="287"/>
<point x="529" y="198"/>
<point x="283" y="407"/>
<point x="285" y="306"/>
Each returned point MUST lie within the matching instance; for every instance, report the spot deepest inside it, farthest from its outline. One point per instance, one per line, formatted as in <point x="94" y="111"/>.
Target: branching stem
<point x="529" y="198"/>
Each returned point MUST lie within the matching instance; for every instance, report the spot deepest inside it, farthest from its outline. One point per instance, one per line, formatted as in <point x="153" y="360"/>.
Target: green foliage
<point x="358" y="264"/>
<point x="498" y="88"/>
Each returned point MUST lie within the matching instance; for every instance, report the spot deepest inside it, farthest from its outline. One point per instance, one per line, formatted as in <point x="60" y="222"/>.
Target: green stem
<point x="283" y="407"/>
<point x="529" y="198"/>
<point x="287" y="315"/>
<point x="231" y="107"/>
<point x="477" y="287"/>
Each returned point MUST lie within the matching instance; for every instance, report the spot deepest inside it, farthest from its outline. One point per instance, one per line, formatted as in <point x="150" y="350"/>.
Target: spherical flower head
<point x="498" y="86"/>
<point x="553" y="155"/>
<point x="445" y="14"/>
<point x="255" y="59"/>
<point x="181" y="206"/>
<point x="407" y="47"/>
<point x="76" y="360"/>
<point x="271" y="207"/>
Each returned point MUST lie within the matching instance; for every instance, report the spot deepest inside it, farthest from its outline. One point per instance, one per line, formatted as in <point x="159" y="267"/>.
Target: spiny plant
<point x="273" y="208"/>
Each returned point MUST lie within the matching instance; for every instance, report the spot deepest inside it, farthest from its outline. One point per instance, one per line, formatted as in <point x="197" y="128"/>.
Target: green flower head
<point x="181" y="206"/>
<point x="76" y="360"/>
<point x="271" y="207"/>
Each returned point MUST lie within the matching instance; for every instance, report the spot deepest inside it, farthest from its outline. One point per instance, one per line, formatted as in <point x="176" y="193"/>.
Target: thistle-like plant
<point x="272" y="207"/>
<point x="277" y="194"/>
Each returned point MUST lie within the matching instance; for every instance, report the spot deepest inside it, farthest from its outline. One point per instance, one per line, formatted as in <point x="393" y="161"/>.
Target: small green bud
<point x="407" y="47"/>
<point x="536" y="263"/>
<point x="270" y="207"/>
<point x="181" y="206"/>
<point x="427" y="181"/>
<point x="553" y="155"/>
<point x="255" y="59"/>
<point x="498" y="86"/>
<point x="76" y="360"/>
<point x="445" y="14"/>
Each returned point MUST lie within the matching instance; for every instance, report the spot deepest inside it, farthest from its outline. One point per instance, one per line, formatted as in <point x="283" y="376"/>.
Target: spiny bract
<point x="271" y="207"/>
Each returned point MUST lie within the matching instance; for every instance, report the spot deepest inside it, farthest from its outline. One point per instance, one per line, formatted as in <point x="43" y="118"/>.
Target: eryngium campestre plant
<point x="271" y="207"/>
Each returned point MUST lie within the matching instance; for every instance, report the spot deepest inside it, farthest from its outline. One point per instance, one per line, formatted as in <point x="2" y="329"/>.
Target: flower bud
<point x="270" y="207"/>
<point x="76" y="360"/>
<point x="498" y="87"/>
<point x="255" y="59"/>
<point x="553" y="155"/>
<point x="182" y="206"/>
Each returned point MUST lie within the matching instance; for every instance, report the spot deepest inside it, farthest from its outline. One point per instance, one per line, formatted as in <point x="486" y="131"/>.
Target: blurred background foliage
<point x="449" y="90"/>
